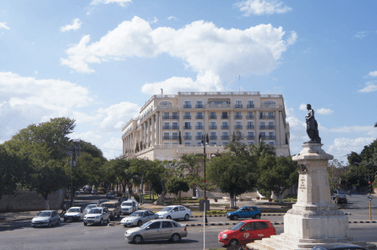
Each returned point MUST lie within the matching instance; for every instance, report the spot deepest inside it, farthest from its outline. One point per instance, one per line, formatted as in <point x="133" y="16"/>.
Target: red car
<point x="246" y="231"/>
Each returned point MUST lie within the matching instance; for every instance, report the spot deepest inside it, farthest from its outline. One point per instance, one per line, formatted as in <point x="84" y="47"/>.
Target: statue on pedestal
<point x="312" y="125"/>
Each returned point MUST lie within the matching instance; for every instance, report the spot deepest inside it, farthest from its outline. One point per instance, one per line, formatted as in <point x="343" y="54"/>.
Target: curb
<point x="224" y="215"/>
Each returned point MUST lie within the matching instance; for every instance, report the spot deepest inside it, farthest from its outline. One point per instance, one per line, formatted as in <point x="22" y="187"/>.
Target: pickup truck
<point x="339" y="196"/>
<point x="97" y="215"/>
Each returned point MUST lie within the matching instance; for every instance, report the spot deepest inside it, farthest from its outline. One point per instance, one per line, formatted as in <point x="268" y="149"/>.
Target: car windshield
<point x="74" y="210"/>
<point x="108" y="205"/>
<point x="44" y="214"/>
<point x="137" y="214"/>
<point x="95" y="211"/>
<point x="90" y="206"/>
<point x="238" y="226"/>
<point x="127" y="204"/>
<point x="167" y="209"/>
<point x="146" y="224"/>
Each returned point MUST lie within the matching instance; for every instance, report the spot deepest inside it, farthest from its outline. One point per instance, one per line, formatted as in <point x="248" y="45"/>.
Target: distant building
<point x="169" y="126"/>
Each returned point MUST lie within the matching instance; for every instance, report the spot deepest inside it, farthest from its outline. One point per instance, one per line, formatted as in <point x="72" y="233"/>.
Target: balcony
<point x="166" y="127"/>
<point x="166" y="137"/>
<point x="176" y="117"/>
<point x="270" y="137"/>
<point x="174" y="127"/>
<point x="199" y="106"/>
<point x="225" y="137"/>
<point x="212" y="117"/>
<point x="267" y="127"/>
<point x="212" y="127"/>
<point x="238" y="127"/>
<point x="187" y="137"/>
<point x="250" y="127"/>
<point x="250" y="106"/>
<point x="187" y="117"/>
<point x="238" y="106"/>
<point x="225" y="127"/>
<point x="267" y="117"/>
<point x="187" y="106"/>
<point x="250" y="137"/>
<point x="225" y="117"/>
<point x="238" y="117"/>
<point x="199" y="127"/>
<point x="213" y="137"/>
<point x="198" y="137"/>
<point x="187" y="127"/>
<point x="166" y="117"/>
<point x="199" y="117"/>
<point x="174" y="137"/>
<point x="249" y="117"/>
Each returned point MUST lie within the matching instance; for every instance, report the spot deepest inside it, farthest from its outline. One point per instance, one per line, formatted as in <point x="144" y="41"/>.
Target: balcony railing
<point x="212" y="117"/>
<point x="212" y="127"/>
<point x="166" y="127"/>
<point x="225" y="127"/>
<point x="267" y="127"/>
<point x="174" y="127"/>
<point x="225" y="137"/>
<point x="187" y="127"/>
<point x="175" y="117"/>
<point x="187" y="117"/>
<point x="187" y="137"/>
<point x="166" y="117"/>
<point x="199" y="127"/>
<point x="237" y="106"/>
<point x="174" y="137"/>
<point x="250" y="106"/>
<point x="199" y="117"/>
<point x="199" y="106"/>
<point x="270" y="137"/>
<point x="250" y="137"/>
<point x="238" y="117"/>
<point x="187" y="106"/>
<point x="238" y="127"/>
<point x="250" y="127"/>
<point x="224" y="117"/>
<point x="166" y="137"/>
<point x="198" y="137"/>
<point x="267" y="117"/>
<point x="213" y="137"/>
<point x="249" y="117"/>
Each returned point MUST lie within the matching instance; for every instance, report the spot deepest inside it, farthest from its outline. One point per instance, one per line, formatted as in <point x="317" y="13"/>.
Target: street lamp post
<point x="205" y="141"/>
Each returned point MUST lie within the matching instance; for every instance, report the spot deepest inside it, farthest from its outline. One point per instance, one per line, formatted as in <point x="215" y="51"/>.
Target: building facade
<point x="169" y="126"/>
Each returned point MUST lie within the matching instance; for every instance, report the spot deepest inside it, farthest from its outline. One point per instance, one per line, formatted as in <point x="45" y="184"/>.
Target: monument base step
<point x="283" y="242"/>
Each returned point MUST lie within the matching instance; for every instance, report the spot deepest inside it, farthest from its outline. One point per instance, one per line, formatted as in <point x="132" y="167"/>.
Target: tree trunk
<point x="232" y="201"/>
<point x="160" y="200"/>
<point x="47" y="204"/>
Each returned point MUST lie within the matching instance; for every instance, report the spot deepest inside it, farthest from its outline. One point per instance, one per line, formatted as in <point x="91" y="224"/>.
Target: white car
<point x="136" y="203"/>
<point x="74" y="214"/>
<point x="138" y="218"/>
<point x="175" y="213"/>
<point x="46" y="218"/>
<point x="88" y="207"/>
<point x="128" y="207"/>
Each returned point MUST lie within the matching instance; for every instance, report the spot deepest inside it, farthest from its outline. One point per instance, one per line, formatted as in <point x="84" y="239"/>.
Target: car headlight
<point x="225" y="236"/>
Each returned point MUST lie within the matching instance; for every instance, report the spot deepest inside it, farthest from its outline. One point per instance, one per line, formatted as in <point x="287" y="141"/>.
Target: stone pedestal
<point x="314" y="219"/>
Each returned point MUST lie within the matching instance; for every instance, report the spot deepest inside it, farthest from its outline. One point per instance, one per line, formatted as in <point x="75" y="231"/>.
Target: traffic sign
<point x="370" y="197"/>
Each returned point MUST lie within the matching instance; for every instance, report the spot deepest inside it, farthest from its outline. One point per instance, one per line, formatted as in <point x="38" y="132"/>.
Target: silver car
<point x="160" y="229"/>
<point x="46" y="218"/>
<point x="138" y="218"/>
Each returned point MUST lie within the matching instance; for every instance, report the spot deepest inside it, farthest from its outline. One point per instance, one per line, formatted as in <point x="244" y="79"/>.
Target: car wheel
<point x="233" y="242"/>
<point x="101" y="222"/>
<point x="235" y="217"/>
<point x="139" y="223"/>
<point x="118" y="216"/>
<point x="108" y="221"/>
<point x="58" y="222"/>
<point x="168" y="217"/>
<point x="85" y="223"/>
<point x="137" y="239"/>
<point x="65" y="219"/>
<point x="49" y="224"/>
<point x="187" y="217"/>
<point x="257" y="216"/>
<point x="176" y="238"/>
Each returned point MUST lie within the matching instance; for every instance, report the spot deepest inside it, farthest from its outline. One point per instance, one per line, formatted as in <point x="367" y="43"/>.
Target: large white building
<point x="169" y="126"/>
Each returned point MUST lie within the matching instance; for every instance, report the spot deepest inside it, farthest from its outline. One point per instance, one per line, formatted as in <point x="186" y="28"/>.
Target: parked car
<point x="46" y="218"/>
<point x="97" y="215"/>
<point x="128" y="207"/>
<point x="94" y="191"/>
<point x="157" y="230"/>
<point x="101" y="201"/>
<point x="74" y="214"/>
<point x="110" y="195"/>
<point x="339" y="196"/>
<point x="121" y="199"/>
<point x="113" y="208"/>
<point x="88" y="207"/>
<point x="138" y="218"/>
<point x="245" y="212"/>
<point x="246" y="231"/>
<point x="175" y="212"/>
<point x="339" y="246"/>
<point x="136" y="203"/>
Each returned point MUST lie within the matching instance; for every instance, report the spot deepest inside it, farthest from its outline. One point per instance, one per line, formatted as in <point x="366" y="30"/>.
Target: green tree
<point x="277" y="174"/>
<point x="176" y="185"/>
<point x="261" y="150"/>
<point x="192" y="168"/>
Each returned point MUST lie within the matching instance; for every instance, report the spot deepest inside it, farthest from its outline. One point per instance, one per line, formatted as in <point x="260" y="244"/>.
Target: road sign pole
<point x="370" y="210"/>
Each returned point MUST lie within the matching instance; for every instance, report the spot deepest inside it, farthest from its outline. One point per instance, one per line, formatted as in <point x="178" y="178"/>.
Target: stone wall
<point x="25" y="200"/>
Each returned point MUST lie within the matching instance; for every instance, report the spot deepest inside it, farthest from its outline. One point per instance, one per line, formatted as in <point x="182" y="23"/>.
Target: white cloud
<point x="172" y="18"/>
<point x="89" y="136"/>
<point x="117" y="115"/>
<point x="297" y="127"/>
<point x="262" y="7"/>
<point x="76" y="24"/>
<point x="373" y="73"/>
<point x="370" y="130"/>
<point x="371" y="86"/>
<point x="360" y="34"/>
<point x="344" y="146"/>
<point x="324" y="111"/>
<point x="3" y="25"/>
<point x="120" y="2"/>
<point x="155" y="20"/>
<point x="112" y="148"/>
<point x="210" y="51"/>
<point x="303" y="107"/>
<point x="292" y="39"/>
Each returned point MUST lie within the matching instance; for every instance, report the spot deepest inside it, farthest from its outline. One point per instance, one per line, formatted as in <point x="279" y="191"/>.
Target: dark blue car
<point x="245" y="212"/>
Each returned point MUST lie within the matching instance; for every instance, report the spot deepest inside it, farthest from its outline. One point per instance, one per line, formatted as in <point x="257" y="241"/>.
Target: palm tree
<point x="189" y="163"/>
<point x="261" y="150"/>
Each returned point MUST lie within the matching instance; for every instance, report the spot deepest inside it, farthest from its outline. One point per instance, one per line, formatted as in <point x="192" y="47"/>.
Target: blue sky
<point x="98" y="61"/>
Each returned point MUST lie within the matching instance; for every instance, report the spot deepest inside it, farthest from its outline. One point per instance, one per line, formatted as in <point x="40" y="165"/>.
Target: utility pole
<point x="205" y="140"/>
<point x="73" y="151"/>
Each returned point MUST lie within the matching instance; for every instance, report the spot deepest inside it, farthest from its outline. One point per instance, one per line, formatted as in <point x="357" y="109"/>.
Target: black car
<point x="339" y="247"/>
